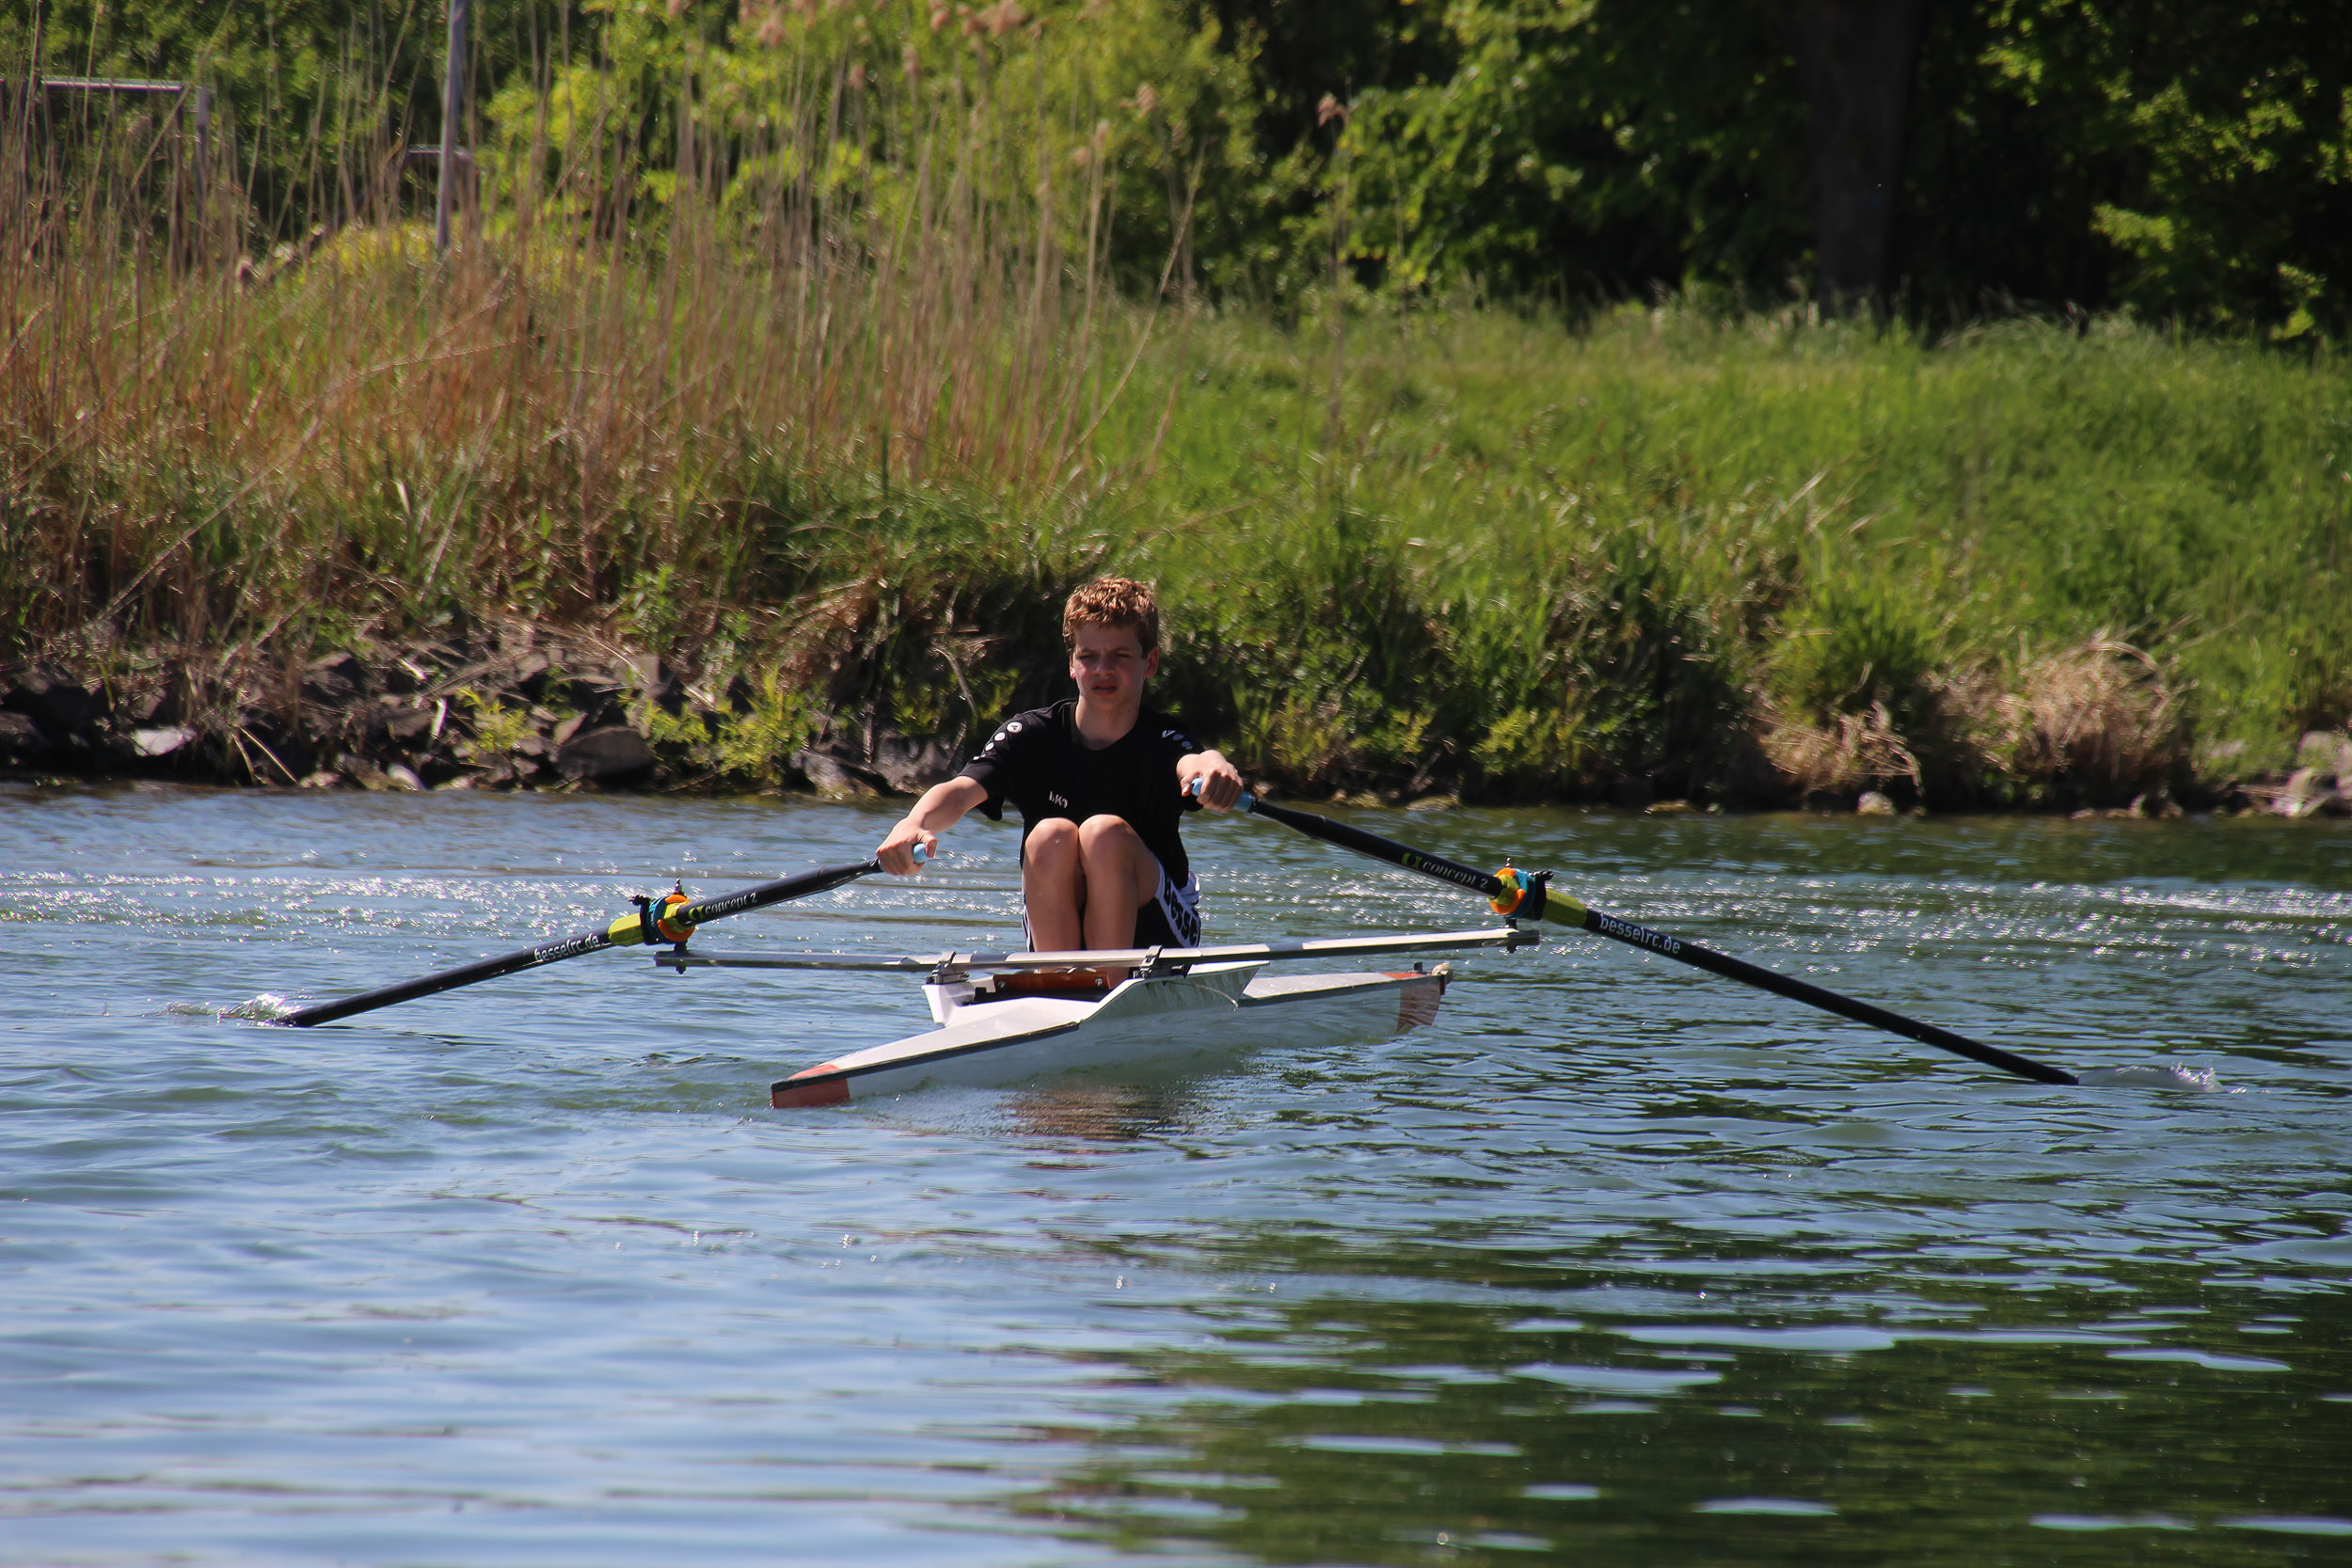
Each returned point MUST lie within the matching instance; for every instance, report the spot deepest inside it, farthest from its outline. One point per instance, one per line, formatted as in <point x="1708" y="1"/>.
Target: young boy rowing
<point x="1100" y="782"/>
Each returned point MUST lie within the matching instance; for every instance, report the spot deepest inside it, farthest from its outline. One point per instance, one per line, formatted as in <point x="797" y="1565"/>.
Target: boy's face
<point x="1109" y="664"/>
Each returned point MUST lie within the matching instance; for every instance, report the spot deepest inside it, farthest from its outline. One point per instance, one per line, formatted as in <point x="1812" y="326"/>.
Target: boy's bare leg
<point x="1054" y="887"/>
<point x="1083" y="885"/>
<point x="1120" y="877"/>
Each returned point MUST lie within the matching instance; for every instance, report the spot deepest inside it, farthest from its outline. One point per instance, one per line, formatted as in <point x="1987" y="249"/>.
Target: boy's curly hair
<point x="1113" y="602"/>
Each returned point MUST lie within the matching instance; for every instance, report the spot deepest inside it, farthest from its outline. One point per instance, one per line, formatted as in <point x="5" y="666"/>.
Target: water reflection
<point x="1854" y="1423"/>
<point x="1082" y="1113"/>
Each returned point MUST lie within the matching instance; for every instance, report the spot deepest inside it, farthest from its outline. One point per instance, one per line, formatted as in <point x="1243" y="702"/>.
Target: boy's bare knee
<point x="1097" y="833"/>
<point x="1057" y="839"/>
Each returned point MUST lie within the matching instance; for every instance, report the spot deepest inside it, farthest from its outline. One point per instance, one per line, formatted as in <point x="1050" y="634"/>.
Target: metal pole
<point x="198" y="238"/>
<point x="453" y="107"/>
<point x="203" y="141"/>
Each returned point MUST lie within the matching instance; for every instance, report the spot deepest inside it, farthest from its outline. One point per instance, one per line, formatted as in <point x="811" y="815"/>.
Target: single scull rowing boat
<point x="1006" y="1017"/>
<point x="999" y="1030"/>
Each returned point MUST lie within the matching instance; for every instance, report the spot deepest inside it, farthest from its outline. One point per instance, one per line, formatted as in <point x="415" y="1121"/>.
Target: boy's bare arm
<point x="1220" y="783"/>
<point x="941" y="808"/>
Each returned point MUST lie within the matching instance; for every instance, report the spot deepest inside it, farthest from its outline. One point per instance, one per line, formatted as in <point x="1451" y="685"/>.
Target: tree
<point x="1857" y="60"/>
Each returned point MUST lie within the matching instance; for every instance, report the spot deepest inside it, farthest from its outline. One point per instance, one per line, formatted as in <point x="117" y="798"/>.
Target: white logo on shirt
<point x="1058" y="800"/>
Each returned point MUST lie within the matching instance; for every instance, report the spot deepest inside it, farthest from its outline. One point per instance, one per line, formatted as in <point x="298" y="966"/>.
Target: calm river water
<point x="1615" y="1263"/>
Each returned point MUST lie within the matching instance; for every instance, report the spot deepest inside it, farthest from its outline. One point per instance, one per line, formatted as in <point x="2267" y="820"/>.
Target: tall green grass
<point x="1630" y="547"/>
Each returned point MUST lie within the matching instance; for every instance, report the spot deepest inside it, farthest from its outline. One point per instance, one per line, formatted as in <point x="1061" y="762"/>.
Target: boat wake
<point x="2171" y="1075"/>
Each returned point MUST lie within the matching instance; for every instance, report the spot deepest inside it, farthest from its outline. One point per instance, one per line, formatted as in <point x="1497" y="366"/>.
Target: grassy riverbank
<point x="2035" y="556"/>
<point x="1744" y="558"/>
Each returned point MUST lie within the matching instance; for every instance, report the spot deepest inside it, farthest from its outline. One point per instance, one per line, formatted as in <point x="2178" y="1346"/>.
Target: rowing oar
<point x="1518" y="895"/>
<point x="670" y="917"/>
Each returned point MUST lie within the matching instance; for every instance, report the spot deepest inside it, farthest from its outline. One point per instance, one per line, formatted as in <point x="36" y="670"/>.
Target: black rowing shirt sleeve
<point x="1009" y="759"/>
<point x="1171" y="745"/>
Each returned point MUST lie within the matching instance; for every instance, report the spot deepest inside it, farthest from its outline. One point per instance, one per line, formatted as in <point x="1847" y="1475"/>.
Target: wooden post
<point x="453" y="108"/>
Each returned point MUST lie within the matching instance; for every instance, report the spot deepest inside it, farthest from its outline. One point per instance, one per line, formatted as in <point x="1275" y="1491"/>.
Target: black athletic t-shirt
<point x="1038" y="761"/>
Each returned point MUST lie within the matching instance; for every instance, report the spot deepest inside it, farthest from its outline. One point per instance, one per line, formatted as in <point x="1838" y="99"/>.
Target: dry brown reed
<point x="2096" y="724"/>
<point x="1849" y="753"/>
<point x="618" y="395"/>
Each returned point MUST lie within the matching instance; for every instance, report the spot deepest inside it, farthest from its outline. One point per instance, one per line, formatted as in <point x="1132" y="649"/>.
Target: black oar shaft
<point x="1571" y="912"/>
<point x="1690" y="953"/>
<point x="488" y="969"/>
<point x="1484" y="883"/>
<point x="627" y="930"/>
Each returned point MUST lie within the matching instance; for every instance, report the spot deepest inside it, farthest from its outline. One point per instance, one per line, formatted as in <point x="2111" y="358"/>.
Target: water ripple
<point x="1615" y="1260"/>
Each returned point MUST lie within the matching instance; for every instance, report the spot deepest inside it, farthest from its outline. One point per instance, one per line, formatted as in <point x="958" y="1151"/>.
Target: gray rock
<point x="61" y="706"/>
<point x="599" y="700"/>
<point x="21" y="740"/>
<point x="1874" y="804"/>
<point x="403" y="777"/>
<point x="2326" y="751"/>
<point x="911" y="767"/>
<point x="408" y="725"/>
<point x="653" y="676"/>
<point x="367" y="775"/>
<point x="615" y="755"/>
<point x="333" y="681"/>
<point x="2301" y="795"/>
<point x="531" y="675"/>
<point x="833" y="778"/>
<point x="161" y="742"/>
<point x="148" y="710"/>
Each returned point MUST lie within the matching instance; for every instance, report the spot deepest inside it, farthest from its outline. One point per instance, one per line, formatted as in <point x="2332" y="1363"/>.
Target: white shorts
<point x="1173" y="918"/>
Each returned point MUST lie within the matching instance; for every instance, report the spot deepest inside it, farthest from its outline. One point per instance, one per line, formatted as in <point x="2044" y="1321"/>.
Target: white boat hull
<point x="1151" y="1024"/>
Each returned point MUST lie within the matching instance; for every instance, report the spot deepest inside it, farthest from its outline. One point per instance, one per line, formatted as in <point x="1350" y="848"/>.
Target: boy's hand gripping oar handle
<point x="1528" y="898"/>
<point x="670" y="917"/>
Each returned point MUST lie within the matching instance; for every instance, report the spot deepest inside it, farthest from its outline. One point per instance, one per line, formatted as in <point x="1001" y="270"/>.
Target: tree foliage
<point x="2190" y="160"/>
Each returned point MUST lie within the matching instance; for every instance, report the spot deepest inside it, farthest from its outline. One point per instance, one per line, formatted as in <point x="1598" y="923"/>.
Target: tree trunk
<point x="1857" y="58"/>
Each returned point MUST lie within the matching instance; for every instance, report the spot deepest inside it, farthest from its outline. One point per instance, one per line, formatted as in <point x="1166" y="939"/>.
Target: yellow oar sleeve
<point x="1528" y="898"/>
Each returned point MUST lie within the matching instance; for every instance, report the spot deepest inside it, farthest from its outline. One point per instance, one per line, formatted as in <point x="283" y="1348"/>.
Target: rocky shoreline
<point x="507" y="709"/>
<point x="520" y="708"/>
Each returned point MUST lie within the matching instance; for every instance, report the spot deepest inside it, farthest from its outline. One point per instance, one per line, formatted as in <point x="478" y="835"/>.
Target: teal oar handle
<point x="1529" y="898"/>
<point x="647" y="925"/>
